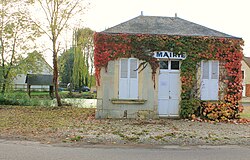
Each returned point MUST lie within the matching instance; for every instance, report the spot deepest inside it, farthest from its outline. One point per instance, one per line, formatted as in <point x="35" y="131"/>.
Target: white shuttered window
<point x="128" y="81"/>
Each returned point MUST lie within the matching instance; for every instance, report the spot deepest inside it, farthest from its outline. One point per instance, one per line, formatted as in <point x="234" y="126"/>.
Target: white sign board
<point x="169" y="55"/>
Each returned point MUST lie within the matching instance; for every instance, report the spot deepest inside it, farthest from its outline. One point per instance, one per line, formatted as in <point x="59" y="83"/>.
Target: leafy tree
<point x="66" y="61"/>
<point x="79" y="64"/>
<point x="34" y="63"/>
<point x="17" y="33"/>
<point x="57" y="13"/>
<point x="83" y="60"/>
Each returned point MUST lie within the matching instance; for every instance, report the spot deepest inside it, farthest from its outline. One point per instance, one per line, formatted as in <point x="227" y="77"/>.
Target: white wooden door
<point x="174" y="90"/>
<point x="168" y="93"/>
<point x="163" y="93"/>
<point x="209" y="80"/>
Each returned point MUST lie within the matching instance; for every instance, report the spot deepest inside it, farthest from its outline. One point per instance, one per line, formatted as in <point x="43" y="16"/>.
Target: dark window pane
<point x="163" y="64"/>
<point x="175" y="65"/>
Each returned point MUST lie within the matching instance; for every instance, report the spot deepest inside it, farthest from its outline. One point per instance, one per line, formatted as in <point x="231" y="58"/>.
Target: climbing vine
<point x="228" y="51"/>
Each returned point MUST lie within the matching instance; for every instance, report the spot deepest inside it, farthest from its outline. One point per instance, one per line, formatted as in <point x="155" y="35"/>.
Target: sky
<point x="227" y="16"/>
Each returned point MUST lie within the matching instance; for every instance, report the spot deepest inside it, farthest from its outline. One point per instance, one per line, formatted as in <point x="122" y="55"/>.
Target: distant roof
<point x="247" y="60"/>
<point x="164" y="25"/>
<point x="39" y="79"/>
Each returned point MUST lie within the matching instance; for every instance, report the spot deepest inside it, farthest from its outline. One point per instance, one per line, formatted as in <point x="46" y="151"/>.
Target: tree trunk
<point x="3" y="88"/>
<point x="90" y="81"/>
<point x="4" y="82"/>
<point x="55" y="75"/>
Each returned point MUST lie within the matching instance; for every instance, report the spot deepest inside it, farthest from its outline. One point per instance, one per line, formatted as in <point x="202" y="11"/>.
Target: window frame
<point x="129" y="89"/>
<point x="169" y="66"/>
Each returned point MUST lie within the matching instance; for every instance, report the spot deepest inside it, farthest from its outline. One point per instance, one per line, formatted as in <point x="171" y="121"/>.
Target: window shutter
<point x="123" y="80"/>
<point x="124" y="68"/>
<point x="215" y="70"/>
<point x="133" y="68"/>
<point x="248" y="90"/>
<point x="205" y="70"/>
<point x="133" y="81"/>
<point x="210" y="80"/>
<point x="128" y="81"/>
<point x="214" y="80"/>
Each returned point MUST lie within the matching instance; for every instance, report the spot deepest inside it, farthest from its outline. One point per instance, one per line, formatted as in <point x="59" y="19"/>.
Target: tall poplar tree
<point x="83" y="60"/>
<point x="66" y="60"/>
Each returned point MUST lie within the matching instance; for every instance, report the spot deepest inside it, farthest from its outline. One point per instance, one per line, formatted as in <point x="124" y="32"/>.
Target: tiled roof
<point x="164" y="25"/>
<point x="247" y="60"/>
<point x="39" y="79"/>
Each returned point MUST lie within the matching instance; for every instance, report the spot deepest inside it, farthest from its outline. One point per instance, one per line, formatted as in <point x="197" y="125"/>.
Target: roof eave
<point x="230" y="37"/>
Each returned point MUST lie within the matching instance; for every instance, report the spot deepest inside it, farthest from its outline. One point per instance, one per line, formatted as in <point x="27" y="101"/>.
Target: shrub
<point x="219" y="111"/>
<point x="84" y="95"/>
<point x="190" y="107"/>
<point x="22" y="99"/>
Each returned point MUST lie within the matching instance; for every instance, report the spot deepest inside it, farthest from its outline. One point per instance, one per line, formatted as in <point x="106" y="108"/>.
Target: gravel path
<point x="152" y="132"/>
<point x="77" y="126"/>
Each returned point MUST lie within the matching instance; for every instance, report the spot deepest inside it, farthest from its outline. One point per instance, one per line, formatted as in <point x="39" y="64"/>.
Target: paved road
<point x="19" y="150"/>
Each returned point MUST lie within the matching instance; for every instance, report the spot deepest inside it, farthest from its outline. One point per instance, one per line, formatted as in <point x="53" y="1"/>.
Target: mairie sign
<point x="169" y="55"/>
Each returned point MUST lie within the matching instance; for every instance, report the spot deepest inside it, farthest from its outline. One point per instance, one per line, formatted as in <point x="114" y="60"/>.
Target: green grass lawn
<point x="63" y="94"/>
<point x="246" y="113"/>
<point x="34" y="119"/>
<point x="38" y="94"/>
<point x="20" y="98"/>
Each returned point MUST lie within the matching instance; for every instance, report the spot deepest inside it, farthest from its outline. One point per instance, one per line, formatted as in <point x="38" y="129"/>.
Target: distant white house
<point x="245" y="68"/>
<point x="44" y="69"/>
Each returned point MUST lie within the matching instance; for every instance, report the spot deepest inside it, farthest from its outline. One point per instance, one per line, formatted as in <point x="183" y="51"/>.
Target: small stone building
<point x="151" y="67"/>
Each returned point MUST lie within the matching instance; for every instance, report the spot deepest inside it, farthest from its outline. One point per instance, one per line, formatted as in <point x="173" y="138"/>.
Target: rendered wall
<point x="108" y="103"/>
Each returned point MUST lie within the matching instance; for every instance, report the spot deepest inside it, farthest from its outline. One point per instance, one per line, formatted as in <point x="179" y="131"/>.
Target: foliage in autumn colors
<point x="228" y="51"/>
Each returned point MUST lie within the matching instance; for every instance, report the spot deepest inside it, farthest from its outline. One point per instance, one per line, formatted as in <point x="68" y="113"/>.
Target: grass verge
<point x="33" y="120"/>
<point x="246" y="113"/>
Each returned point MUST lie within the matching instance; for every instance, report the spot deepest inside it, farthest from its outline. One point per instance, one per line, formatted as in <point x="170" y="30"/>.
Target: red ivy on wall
<point x="109" y="48"/>
<point x="227" y="50"/>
